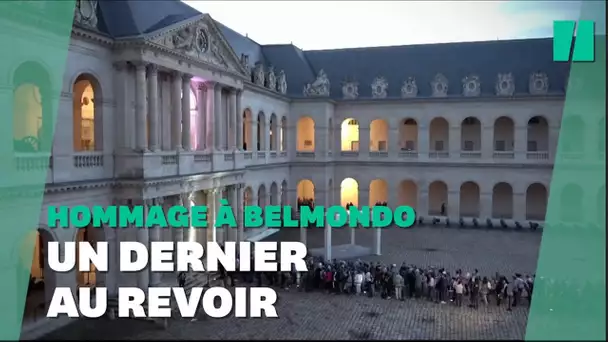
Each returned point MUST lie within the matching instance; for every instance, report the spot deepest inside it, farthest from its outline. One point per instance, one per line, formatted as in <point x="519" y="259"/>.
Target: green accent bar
<point x="563" y="34"/>
<point x="569" y="298"/>
<point x="584" y="45"/>
<point x="34" y="38"/>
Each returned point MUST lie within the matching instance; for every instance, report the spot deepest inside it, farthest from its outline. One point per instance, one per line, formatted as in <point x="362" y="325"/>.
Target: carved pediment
<point x="85" y="13"/>
<point x="201" y="40"/>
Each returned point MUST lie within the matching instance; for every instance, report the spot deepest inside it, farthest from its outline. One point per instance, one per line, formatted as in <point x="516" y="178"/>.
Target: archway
<point x="32" y="109"/>
<point x="261" y="132"/>
<point x="274" y="136"/>
<point x="247" y="123"/>
<point x="408" y="135"/>
<point x="378" y="135"/>
<point x="504" y="134"/>
<point x="378" y="192"/>
<point x="262" y="196"/>
<point x="194" y="130"/>
<point x="349" y="192"/>
<point x="408" y="194"/>
<point x="330" y="134"/>
<point x="439" y="135"/>
<point x="349" y="133"/>
<point x="470" y="134"/>
<point x="536" y="202"/>
<point x="538" y="134"/>
<point x="87" y="126"/>
<point x="284" y="193"/>
<point x="305" y="192"/>
<point x="274" y="194"/>
<point x="42" y="280"/>
<point x="502" y="201"/>
<point x="571" y="204"/>
<point x="572" y="134"/>
<point x="438" y="198"/>
<point x="469" y="199"/>
<point x="283" y="135"/>
<point x="305" y="135"/>
<point x="90" y="235"/>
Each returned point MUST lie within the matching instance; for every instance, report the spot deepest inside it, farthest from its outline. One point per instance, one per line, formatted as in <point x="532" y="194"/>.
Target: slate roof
<point x="123" y="18"/>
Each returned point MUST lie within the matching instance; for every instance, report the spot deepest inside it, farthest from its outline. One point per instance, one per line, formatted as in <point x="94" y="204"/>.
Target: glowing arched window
<point x="193" y="100"/>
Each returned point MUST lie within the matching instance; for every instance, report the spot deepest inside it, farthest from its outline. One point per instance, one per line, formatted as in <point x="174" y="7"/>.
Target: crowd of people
<point x="306" y="202"/>
<point x="361" y="278"/>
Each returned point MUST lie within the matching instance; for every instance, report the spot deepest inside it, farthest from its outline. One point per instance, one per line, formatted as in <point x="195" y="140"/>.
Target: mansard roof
<point x="127" y="18"/>
<point x="521" y="58"/>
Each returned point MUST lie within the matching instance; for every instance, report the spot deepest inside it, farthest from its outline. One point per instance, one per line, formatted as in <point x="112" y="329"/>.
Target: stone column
<point x="211" y="124"/>
<point x="453" y="205"/>
<point x="519" y="206"/>
<point x="239" y="120"/>
<point x="141" y="108"/>
<point x="186" y="112"/>
<point x="176" y="111"/>
<point x="254" y="135"/>
<point x="487" y="141"/>
<point x="377" y="241"/>
<point x="124" y="118"/>
<point x="454" y="141"/>
<point x="393" y="138"/>
<point x="520" y="143"/>
<point x="239" y="213"/>
<point x="153" y="107"/>
<point x="177" y="233"/>
<point x="553" y="140"/>
<point x="220" y="136"/>
<point x="143" y="277"/>
<point x="233" y="200"/>
<point x="202" y="117"/>
<point x="232" y="99"/>
<point x="190" y="234"/>
<point x="485" y="206"/>
<point x="364" y="139"/>
<point x="155" y="277"/>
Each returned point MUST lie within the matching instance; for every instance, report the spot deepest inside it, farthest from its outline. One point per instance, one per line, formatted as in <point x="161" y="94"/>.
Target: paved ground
<point x="322" y="316"/>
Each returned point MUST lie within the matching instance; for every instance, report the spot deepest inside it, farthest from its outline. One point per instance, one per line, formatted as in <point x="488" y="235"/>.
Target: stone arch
<point x="349" y="135"/>
<point x="502" y="201"/>
<point x="408" y="135"/>
<point x="87" y="123"/>
<point x="470" y="134"/>
<point x="247" y="130"/>
<point x="378" y="192"/>
<point x="42" y="279"/>
<point x="262" y="196"/>
<point x="438" y="198"/>
<point x="306" y="190"/>
<point x="408" y="193"/>
<point x="32" y="108"/>
<point x="571" y="204"/>
<point x="469" y="199"/>
<point x="274" y="194"/>
<point x="349" y="192"/>
<point x="261" y="133"/>
<point x="439" y="135"/>
<point x="305" y="134"/>
<point x="378" y="135"/>
<point x="504" y="134"/>
<point x="538" y="134"/>
<point x="536" y="202"/>
<point x="274" y="134"/>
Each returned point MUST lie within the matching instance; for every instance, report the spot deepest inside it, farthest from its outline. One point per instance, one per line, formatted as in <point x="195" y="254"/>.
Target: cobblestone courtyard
<point x="322" y="316"/>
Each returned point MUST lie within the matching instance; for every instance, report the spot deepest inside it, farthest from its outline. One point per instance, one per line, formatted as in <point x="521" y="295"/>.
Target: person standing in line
<point x="399" y="283"/>
<point x="459" y="289"/>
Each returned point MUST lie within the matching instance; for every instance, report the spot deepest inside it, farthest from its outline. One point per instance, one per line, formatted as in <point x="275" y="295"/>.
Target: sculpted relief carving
<point x="471" y="86"/>
<point x="350" y="90"/>
<point x="258" y="74"/>
<point x="320" y="87"/>
<point x="380" y="88"/>
<point x="245" y="63"/>
<point x="271" y="79"/>
<point x="409" y="89"/>
<point x="439" y="86"/>
<point x="85" y="13"/>
<point x="282" y="82"/>
<point x="539" y="83"/>
<point x="505" y="85"/>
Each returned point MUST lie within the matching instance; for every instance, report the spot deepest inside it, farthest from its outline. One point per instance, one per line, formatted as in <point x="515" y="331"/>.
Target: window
<point x="439" y="145"/>
<point x="410" y="145"/>
<point x="532" y="146"/>
<point x="382" y="146"/>
<point x="307" y="142"/>
<point x="468" y="145"/>
<point x="354" y="146"/>
<point x="499" y="145"/>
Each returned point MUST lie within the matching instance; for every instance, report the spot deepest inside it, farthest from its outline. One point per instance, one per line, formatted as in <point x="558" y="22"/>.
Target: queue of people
<point x="407" y="281"/>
